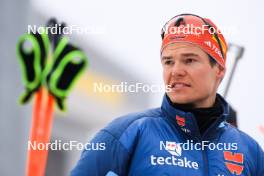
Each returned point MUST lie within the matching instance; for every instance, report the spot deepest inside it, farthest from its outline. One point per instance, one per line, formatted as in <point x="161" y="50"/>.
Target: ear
<point x="220" y="71"/>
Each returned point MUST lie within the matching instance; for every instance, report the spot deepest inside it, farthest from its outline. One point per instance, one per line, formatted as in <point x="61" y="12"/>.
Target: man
<point x="188" y="135"/>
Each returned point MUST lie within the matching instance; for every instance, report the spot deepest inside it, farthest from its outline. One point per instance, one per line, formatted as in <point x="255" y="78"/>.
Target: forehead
<point x="182" y="48"/>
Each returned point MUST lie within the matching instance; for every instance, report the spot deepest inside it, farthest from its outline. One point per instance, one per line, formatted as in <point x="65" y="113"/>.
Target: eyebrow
<point x="184" y="55"/>
<point x="190" y="54"/>
<point x="166" y="57"/>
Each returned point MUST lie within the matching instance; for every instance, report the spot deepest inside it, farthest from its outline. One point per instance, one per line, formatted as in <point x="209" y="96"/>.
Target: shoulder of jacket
<point x="119" y="125"/>
<point x="242" y="137"/>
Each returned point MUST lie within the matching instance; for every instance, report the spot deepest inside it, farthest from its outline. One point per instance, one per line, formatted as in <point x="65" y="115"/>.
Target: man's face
<point x="187" y="70"/>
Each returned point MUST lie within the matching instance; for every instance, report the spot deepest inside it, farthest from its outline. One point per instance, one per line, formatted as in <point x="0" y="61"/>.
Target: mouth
<point x="179" y="85"/>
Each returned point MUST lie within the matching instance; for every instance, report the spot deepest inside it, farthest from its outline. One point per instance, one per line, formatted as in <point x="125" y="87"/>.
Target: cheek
<point x="166" y="76"/>
<point x="206" y="80"/>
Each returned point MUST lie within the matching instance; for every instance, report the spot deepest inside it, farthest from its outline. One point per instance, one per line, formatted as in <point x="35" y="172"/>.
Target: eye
<point x="189" y="60"/>
<point x="168" y="62"/>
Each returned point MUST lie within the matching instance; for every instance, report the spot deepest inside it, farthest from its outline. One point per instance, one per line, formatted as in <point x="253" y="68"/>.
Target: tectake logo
<point x="175" y="158"/>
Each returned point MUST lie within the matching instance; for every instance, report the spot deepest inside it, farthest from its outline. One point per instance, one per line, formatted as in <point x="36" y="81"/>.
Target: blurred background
<point x="122" y="43"/>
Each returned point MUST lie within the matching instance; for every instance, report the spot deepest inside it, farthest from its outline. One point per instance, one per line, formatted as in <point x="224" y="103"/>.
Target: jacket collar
<point x="186" y="120"/>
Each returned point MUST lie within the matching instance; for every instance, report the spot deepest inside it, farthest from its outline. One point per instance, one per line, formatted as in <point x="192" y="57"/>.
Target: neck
<point x="207" y="103"/>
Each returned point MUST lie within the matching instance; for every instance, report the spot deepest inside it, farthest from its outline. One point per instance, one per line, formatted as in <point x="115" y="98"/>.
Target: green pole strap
<point x="69" y="63"/>
<point x="32" y="60"/>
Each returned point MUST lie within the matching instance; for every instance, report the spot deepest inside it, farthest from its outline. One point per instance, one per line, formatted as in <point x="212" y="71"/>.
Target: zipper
<point x="204" y="153"/>
<point x="205" y="159"/>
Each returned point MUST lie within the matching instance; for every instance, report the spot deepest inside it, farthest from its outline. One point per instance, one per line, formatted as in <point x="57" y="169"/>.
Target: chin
<point x="180" y="99"/>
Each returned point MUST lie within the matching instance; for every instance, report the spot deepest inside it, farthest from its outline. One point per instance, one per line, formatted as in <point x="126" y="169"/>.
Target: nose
<point x="178" y="70"/>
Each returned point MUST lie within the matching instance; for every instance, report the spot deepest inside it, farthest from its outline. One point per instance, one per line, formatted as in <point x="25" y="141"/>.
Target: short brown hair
<point x="212" y="60"/>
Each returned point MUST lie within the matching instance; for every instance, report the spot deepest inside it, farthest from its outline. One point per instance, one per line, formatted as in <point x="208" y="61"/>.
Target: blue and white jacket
<point x="167" y="142"/>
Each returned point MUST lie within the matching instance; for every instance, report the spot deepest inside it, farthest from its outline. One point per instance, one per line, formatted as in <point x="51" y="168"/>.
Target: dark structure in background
<point x="239" y="51"/>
